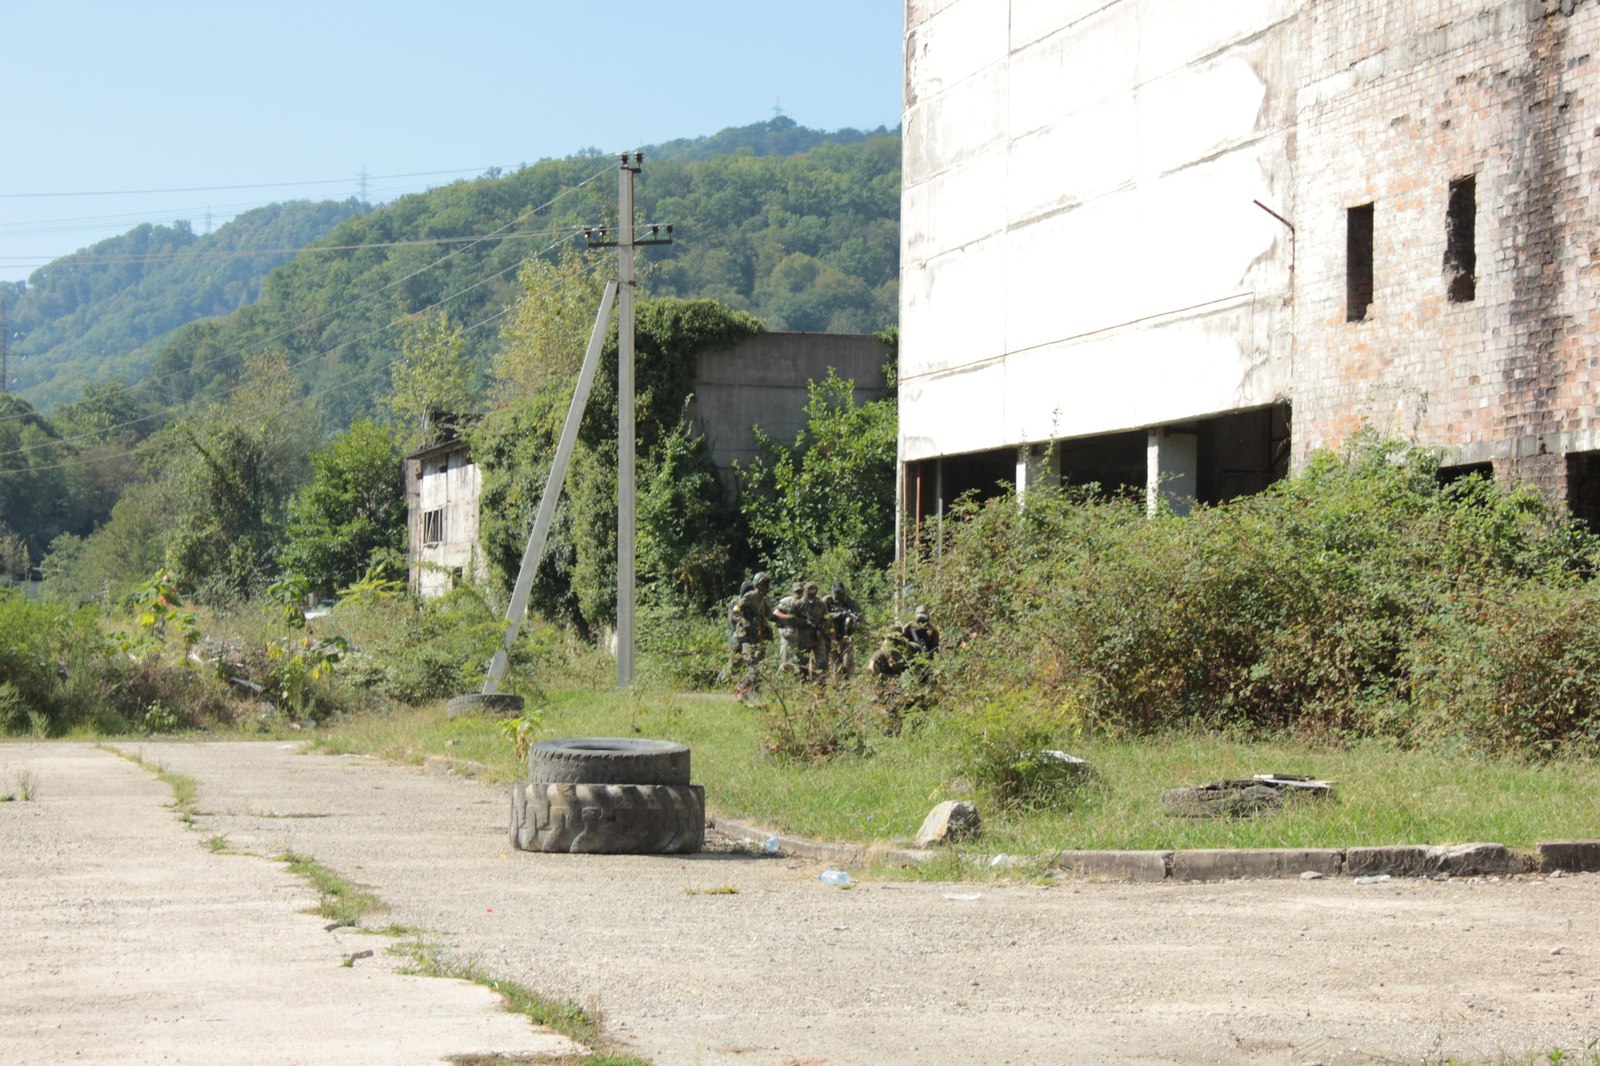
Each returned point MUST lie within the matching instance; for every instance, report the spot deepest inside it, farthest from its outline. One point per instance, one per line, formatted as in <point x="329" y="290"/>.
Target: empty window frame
<point x="1461" y="240"/>
<point x="433" y="526"/>
<point x="1358" y="262"/>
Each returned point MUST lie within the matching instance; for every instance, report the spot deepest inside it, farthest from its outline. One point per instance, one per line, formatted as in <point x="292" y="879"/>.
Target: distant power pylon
<point x="777" y="108"/>
<point x="5" y="349"/>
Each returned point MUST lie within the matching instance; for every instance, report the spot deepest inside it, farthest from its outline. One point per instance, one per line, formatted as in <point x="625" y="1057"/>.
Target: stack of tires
<point x="615" y="796"/>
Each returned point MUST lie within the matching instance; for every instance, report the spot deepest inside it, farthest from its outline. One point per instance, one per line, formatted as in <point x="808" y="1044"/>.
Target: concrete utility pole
<point x="626" y="433"/>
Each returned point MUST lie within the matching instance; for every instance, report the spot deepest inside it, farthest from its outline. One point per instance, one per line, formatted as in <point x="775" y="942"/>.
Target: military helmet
<point x="811" y="586"/>
<point x="838" y="587"/>
<point x="922" y="613"/>
<point x="761" y="580"/>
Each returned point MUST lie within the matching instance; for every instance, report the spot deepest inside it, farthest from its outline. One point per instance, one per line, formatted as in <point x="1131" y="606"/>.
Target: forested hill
<point x="100" y="314"/>
<point x="806" y="241"/>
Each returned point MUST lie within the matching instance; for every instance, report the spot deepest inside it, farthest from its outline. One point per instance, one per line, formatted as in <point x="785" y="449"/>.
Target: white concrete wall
<point x="1080" y="250"/>
<point x="450" y="483"/>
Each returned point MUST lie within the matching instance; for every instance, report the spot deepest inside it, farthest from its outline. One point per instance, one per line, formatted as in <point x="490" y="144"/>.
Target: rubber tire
<point x="609" y="761"/>
<point x="608" y="819"/>
<point x="479" y="704"/>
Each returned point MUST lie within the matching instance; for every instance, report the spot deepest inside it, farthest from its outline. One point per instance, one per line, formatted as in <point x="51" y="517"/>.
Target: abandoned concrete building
<point x="1183" y="246"/>
<point x="442" y="489"/>
<point x="762" y="381"/>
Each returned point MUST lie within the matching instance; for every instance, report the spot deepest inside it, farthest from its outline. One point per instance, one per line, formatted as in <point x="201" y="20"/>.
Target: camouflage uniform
<point x="751" y="628"/>
<point x="844" y="618"/>
<point x="789" y="627"/>
<point x="815" y="646"/>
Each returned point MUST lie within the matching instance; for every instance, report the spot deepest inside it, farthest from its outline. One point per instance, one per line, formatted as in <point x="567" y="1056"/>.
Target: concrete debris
<point x="950" y="822"/>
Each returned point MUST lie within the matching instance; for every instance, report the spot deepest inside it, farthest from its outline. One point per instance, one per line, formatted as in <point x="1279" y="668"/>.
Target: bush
<point x="1358" y="598"/>
<point x="1005" y="748"/>
<point x="1523" y="675"/>
<point x="680" y="649"/>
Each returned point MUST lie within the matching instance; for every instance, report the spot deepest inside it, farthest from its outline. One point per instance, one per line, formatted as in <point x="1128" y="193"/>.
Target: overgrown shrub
<point x="1007" y="747"/>
<point x="1520" y="672"/>
<point x="680" y="649"/>
<point x="808" y="722"/>
<point x="1356" y="598"/>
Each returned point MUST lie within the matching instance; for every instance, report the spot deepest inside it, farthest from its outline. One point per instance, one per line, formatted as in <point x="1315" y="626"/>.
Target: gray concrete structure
<point x="762" y="382"/>
<point x="442" y="487"/>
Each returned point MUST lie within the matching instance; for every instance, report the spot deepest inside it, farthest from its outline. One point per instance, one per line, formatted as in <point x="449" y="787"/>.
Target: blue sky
<point x="107" y="97"/>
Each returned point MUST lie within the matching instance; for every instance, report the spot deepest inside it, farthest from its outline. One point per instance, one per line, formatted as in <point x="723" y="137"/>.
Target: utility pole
<point x="5" y="350"/>
<point x="626" y="433"/>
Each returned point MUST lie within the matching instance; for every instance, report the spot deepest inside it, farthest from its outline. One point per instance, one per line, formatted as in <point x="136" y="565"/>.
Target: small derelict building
<point x="1183" y="246"/>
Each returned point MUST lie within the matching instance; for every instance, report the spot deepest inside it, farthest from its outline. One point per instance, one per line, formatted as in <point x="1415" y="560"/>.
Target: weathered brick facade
<point x="1134" y="215"/>
<point x="1396" y="102"/>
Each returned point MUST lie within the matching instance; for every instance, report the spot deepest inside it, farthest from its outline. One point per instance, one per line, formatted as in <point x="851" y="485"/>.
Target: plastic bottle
<point x="834" y="877"/>
<point x="770" y="847"/>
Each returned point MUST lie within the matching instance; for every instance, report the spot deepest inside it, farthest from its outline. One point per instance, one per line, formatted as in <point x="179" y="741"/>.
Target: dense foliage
<point x="688" y="544"/>
<point x="1361" y="597"/>
<point x="799" y="228"/>
<point x="826" y="501"/>
<point x="352" y="516"/>
<point x="100" y="314"/>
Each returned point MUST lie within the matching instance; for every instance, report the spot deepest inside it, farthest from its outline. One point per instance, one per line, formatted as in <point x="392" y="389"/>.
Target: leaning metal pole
<point x="518" y="608"/>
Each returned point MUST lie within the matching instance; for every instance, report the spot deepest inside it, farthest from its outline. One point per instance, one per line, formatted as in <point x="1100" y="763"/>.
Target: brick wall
<point x="1395" y="102"/>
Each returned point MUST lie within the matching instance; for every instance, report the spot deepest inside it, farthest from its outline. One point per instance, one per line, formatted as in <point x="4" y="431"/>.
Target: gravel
<point x="787" y="969"/>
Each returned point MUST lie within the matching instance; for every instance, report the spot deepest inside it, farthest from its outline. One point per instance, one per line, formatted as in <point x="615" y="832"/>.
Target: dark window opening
<point x="433" y="526"/>
<point x="1242" y="453"/>
<point x="1461" y="240"/>
<point x="1358" y="262"/>
<point x="1449" y="475"/>
<point x="1113" y="464"/>
<point x="1583" y="488"/>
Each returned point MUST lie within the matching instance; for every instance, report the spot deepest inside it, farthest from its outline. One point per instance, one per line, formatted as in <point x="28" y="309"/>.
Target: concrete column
<point x="1037" y="464"/>
<point x="1172" y="461"/>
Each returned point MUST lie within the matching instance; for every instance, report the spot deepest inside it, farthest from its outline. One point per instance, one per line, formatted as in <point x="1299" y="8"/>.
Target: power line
<point x="230" y="188"/>
<point x="363" y="298"/>
<point x="192" y="253"/>
<point x="355" y="379"/>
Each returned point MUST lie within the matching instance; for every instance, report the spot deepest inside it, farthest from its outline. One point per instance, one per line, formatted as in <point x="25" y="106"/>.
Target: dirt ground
<point x="129" y="940"/>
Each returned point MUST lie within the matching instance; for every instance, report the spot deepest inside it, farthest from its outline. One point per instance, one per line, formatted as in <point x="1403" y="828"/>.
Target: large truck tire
<point x="489" y="705"/>
<point x="610" y="819"/>
<point x="609" y="761"/>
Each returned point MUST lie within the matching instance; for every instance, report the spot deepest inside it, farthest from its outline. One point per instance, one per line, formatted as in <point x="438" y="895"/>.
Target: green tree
<point x="430" y="379"/>
<point x="234" y="467"/>
<point x="353" y="512"/>
<point x="545" y="337"/>
<point x="832" y="490"/>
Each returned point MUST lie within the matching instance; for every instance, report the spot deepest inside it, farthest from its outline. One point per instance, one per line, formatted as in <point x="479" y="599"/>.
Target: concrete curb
<point x="1223" y="864"/>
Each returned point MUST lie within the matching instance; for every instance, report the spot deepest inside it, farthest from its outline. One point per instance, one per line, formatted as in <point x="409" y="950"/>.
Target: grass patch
<point x="347" y="903"/>
<point x="720" y="890"/>
<point x="21" y="786"/>
<point x="577" y="1024"/>
<point x="1385" y="794"/>
<point x="340" y="899"/>
<point x="184" y="788"/>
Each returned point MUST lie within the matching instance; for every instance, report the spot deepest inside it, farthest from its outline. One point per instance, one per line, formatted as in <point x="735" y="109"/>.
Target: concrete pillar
<point x="1037" y="464"/>
<point x="1172" y="460"/>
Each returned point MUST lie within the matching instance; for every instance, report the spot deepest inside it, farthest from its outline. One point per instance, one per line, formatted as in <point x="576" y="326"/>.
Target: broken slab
<point x="1572" y="856"/>
<point x="1115" y="865"/>
<point x="1225" y="864"/>
<point x="1455" y="860"/>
